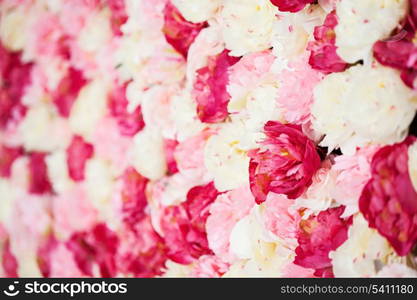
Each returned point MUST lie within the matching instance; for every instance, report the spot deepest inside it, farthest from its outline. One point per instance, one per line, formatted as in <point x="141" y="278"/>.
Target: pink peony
<point x="78" y="152"/>
<point x="7" y="156"/>
<point x="323" y="55"/>
<point x="285" y="163"/>
<point x="317" y="236"/>
<point x="399" y="51"/>
<point x="118" y="15"/>
<point x="291" y="5"/>
<point x="133" y="196"/>
<point x="38" y="174"/>
<point x="389" y="200"/>
<point x="295" y="94"/>
<point x="9" y="261"/>
<point x="353" y="173"/>
<point x="67" y="91"/>
<point x="209" y="266"/>
<point x="129" y="123"/>
<point x="210" y="88"/>
<point x="169" y="147"/>
<point x="184" y="225"/>
<point x="14" y="77"/>
<point x="68" y="207"/>
<point x="179" y="33"/>
<point x="225" y="212"/>
<point x="96" y="246"/>
<point x="281" y="219"/>
<point x="47" y="246"/>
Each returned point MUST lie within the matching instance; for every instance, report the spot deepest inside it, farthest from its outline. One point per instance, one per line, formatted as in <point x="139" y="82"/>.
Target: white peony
<point x="365" y="105"/>
<point x="247" y="25"/>
<point x="197" y="11"/>
<point x="358" y="255"/>
<point x="362" y="23"/>
<point x="148" y="155"/>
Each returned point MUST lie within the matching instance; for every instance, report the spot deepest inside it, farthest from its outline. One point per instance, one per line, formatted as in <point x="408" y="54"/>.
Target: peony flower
<point x="184" y="225"/>
<point x="291" y="5"/>
<point x="197" y="11"/>
<point x="96" y="247"/>
<point x="170" y="146"/>
<point x="14" y="77"/>
<point x="67" y="91"/>
<point x="209" y="266"/>
<point x="389" y="200"/>
<point x="210" y="90"/>
<point x="78" y="153"/>
<point x="118" y="15"/>
<point x="129" y="122"/>
<point x="317" y="236"/>
<point x="362" y="252"/>
<point x="363" y="106"/>
<point x="7" y="156"/>
<point x="362" y="23"/>
<point x="228" y="208"/>
<point x="323" y="55"/>
<point x="352" y="174"/>
<point x="133" y="197"/>
<point x="284" y="164"/>
<point x="295" y="93"/>
<point x="38" y="174"/>
<point x="247" y="25"/>
<point x="179" y="33"/>
<point x="142" y="253"/>
<point x="9" y="262"/>
<point x="397" y="270"/>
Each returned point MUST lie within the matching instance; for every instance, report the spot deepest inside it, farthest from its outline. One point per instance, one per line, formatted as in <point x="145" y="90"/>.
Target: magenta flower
<point x="210" y="88"/>
<point x="134" y="199"/>
<point x="129" y="123"/>
<point x="323" y="55"/>
<point x="184" y="226"/>
<point x="399" y="51"/>
<point x="7" y="156"/>
<point x="179" y="33"/>
<point x="78" y="152"/>
<point x="317" y="236"/>
<point x="39" y="182"/>
<point x="67" y="91"/>
<point x="291" y="5"/>
<point x="389" y="200"/>
<point x="285" y="164"/>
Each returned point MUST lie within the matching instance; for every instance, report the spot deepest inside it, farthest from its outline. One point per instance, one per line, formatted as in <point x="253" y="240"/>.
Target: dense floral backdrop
<point x="208" y="138"/>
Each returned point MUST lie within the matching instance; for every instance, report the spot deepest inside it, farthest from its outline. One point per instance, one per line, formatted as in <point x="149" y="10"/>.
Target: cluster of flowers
<point x="208" y="138"/>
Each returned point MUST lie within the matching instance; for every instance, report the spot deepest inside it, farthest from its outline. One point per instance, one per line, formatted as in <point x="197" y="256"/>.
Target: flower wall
<point x="208" y="138"/>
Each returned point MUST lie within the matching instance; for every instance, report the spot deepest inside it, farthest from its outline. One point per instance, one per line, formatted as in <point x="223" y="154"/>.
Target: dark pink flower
<point x="38" y="174"/>
<point x="184" y="225"/>
<point x="97" y="246"/>
<point x="67" y="91"/>
<point x="118" y="15"/>
<point x="170" y="146"/>
<point x="143" y="253"/>
<point x="317" y="236"/>
<point x="179" y="33"/>
<point x="44" y="254"/>
<point x="291" y="5"/>
<point x="323" y="55"/>
<point x="14" y="77"/>
<point x="78" y="152"/>
<point x="7" y="156"/>
<point x="9" y="261"/>
<point x="285" y="164"/>
<point x="129" y="123"/>
<point x="210" y="88"/>
<point x="399" y="51"/>
<point x="134" y="199"/>
<point x="389" y="200"/>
